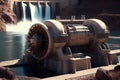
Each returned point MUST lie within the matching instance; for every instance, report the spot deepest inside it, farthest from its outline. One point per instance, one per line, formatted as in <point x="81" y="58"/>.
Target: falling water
<point x="14" y="42"/>
<point x="21" y="27"/>
<point x="24" y="11"/>
<point x="34" y="13"/>
<point x="47" y="12"/>
<point x="40" y="12"/>
<point x="20" y="30"/>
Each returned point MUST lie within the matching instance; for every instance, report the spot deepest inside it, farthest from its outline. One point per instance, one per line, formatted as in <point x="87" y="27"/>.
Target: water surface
<point x="12" y="45"/>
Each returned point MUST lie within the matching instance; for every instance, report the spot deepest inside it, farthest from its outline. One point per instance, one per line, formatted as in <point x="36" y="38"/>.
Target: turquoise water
<point x="114" y="41"/>
<point x="12" y="46"/>
<point x="14" y="41"/>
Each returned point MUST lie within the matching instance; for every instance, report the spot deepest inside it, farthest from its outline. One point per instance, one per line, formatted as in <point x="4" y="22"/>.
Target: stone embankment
<point x="6" y="15"/>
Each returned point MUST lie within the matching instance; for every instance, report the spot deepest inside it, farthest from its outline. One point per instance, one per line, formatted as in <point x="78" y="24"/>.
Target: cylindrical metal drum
<point x="44" y="39"/>
<point x="78" y="35"/>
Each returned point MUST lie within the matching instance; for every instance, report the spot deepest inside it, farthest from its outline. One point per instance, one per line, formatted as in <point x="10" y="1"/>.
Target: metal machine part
<point x="45" y="38"/>
<point x="69" y="46"/>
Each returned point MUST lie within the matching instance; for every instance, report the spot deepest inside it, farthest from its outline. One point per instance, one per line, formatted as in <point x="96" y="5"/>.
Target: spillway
<point x="47" y="12"/>
<point x="36" y="12"/>
<point x="30" y="13"/>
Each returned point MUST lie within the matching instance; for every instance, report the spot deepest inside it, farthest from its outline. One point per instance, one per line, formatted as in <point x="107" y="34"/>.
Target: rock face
<point x="6" y="15"/>
<point x="3" y="1"/>
<point x="2" y="26"/>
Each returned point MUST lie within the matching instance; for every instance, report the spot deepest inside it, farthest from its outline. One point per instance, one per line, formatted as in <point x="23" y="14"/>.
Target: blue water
<point x="14" y="41"/>
<point x="114" y="41"/>
<point x="12" y="45"/>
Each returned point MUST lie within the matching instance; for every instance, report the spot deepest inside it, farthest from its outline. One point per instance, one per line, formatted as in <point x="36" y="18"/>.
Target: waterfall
<point x="24" y="11"/>
<point x="31" y="14"/>
<point x="47" y="12"/>
<point x="21" y="27"/>
<point x="40" y="12"/>
<point x="34" y="13"/>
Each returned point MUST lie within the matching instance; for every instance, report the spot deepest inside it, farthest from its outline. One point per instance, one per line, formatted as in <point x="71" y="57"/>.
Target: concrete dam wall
<point x="57" y="7"/>
<point x="67" y="8"/>
<point x="33" y="9"/>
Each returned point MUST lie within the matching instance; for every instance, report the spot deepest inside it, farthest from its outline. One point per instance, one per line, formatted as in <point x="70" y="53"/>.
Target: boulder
<point x="117" y="68"/>
<point x="115" y="75"/>
<point x="102" y="74"/>
<point x="7" y="74"/>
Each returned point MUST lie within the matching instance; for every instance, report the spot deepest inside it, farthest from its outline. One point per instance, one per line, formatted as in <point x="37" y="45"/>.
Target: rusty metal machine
<point x="69" y="46"/>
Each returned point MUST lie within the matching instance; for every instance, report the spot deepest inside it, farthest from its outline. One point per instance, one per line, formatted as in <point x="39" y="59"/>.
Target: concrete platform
<point x="79" y="75"/>
<point x="10" y="62"/>
<point x="117" y="51"/>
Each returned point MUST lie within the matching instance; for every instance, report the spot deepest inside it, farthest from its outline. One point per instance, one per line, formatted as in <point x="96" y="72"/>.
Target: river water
<point x="13" y="44"/>
<point x="14" y="41"/>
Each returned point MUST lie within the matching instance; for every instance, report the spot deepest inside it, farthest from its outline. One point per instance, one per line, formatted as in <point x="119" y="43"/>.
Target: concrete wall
<point x="90" y="8"/>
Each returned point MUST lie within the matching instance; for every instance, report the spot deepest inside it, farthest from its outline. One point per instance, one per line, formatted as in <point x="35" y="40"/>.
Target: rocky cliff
<point x="6" y="15"/>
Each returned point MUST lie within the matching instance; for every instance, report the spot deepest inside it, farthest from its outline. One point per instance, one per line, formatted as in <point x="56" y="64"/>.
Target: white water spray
<point x="34" y="13"/>
<point x="20" y="27"/>
<point x="40" y="12"/>
<point x="24" y="11"/>
<point x="23" y="26"/>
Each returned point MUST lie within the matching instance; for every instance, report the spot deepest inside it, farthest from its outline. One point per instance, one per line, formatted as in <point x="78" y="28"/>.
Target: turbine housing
<point x="45" y="38"/>
<point x="69" y="43"/>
